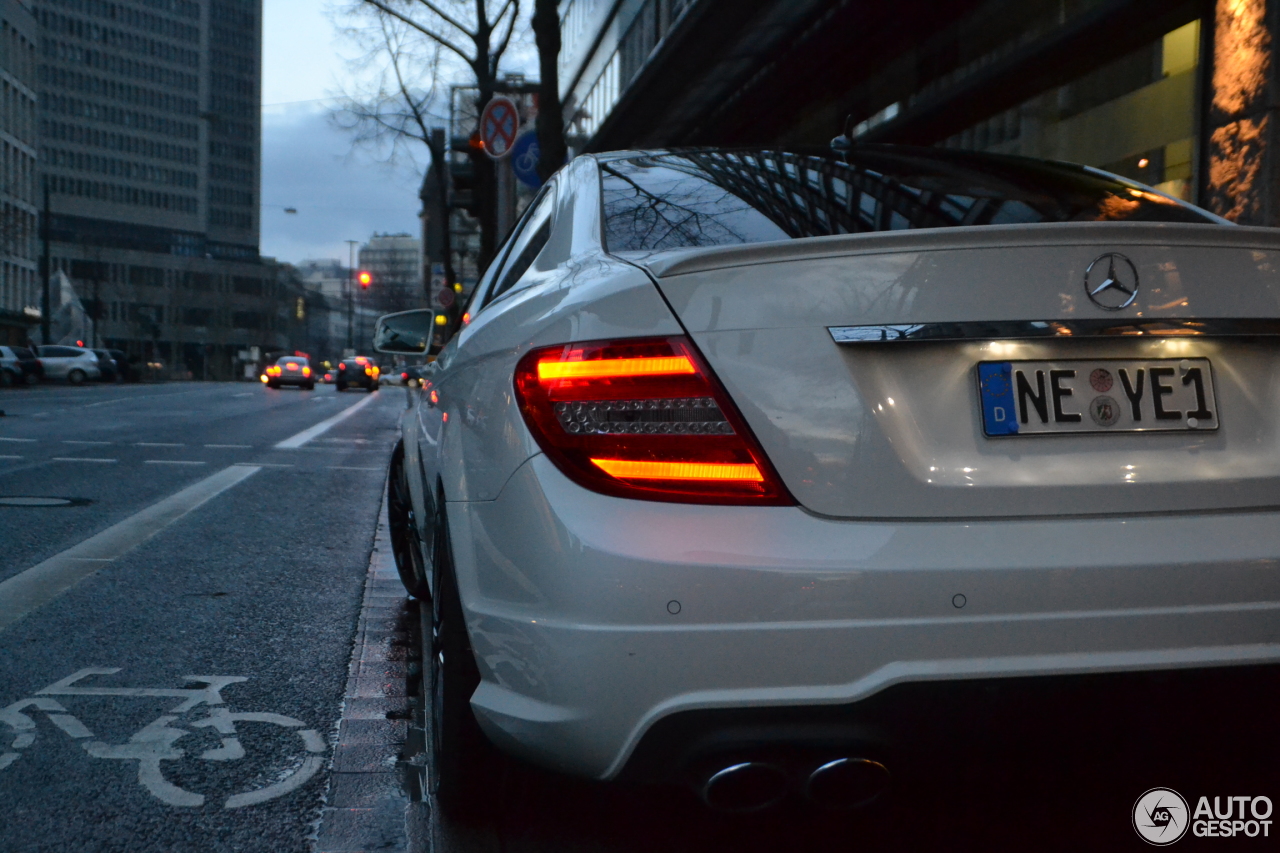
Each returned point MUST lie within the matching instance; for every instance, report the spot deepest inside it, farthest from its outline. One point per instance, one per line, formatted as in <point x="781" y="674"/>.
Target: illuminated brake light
<point x="291" y="366"/>
<point x="549" y="370"/>
<point x="306" y="371"/>
<point x="643" y="419"/>
<point x="634" y="469"/>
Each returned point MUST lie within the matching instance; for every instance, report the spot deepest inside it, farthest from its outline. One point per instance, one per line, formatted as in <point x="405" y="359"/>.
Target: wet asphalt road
<point x="262" y="583"/>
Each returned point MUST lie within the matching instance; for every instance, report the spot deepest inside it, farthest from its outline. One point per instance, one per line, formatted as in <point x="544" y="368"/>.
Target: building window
<point x="1134" y="116"/>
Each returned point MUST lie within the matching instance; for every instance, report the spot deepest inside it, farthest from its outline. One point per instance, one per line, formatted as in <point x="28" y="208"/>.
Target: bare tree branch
<point x="422" y="28"/>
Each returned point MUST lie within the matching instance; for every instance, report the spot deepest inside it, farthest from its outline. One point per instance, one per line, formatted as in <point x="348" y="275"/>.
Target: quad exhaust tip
<point x="841" y="784"/>
<point x="745" y="787"/>
<point x="847" y="783"/>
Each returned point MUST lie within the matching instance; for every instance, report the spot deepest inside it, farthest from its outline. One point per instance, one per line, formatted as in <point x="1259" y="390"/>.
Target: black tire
<point x="310" y="386"/>
<point x="373" y="387"/>
<point x="32" y="379"/>
<point x="465" y="768"/>
<point x="6" y="379"/>
<point x="76" y="377"/>
<point x="341" y="386"/>
<point x="273" y="384"/>
<point x="406" y="544"/>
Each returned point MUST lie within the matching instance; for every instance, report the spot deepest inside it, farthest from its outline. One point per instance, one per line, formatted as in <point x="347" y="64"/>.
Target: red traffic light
<point x="365" y="279"/>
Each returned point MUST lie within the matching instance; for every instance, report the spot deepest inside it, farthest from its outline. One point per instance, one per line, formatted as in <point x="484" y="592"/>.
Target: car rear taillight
<point x="643" y="419"/>
<point x="306" y="371"/>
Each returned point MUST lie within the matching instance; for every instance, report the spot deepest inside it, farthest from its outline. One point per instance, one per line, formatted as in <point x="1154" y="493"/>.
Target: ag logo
<point x="1160" y="816"/>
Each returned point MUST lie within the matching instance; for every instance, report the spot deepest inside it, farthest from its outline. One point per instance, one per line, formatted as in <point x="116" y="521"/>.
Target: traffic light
<point x="365" y="279"/>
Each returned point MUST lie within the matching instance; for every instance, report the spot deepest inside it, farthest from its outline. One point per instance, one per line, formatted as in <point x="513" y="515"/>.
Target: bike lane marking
<point x="295" y="441"/>
<point x="155" y="742"/>
<point x="45" y="581"/>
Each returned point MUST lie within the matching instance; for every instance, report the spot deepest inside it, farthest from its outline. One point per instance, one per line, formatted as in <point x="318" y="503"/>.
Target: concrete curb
<point x="374" y="800"/>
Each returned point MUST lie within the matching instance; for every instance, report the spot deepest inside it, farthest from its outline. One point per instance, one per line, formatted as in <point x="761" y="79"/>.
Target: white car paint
<point x="592" y="617"/>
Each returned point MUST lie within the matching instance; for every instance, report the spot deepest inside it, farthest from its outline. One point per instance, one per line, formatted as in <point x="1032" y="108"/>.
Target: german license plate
<point x="1099" y="395"/>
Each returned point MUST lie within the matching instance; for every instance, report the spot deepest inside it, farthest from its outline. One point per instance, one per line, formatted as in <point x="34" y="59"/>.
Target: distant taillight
<point x="342" y="367"/>
<point x="306" y="371"/>
<point x="643" y="419"/>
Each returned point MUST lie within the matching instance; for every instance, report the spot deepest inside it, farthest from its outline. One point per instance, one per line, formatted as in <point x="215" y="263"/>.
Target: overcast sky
<point x="307" y="163"/>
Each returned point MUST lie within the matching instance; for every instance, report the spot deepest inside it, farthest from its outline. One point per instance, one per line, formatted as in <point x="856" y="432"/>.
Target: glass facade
<point x="1135" y="116"/>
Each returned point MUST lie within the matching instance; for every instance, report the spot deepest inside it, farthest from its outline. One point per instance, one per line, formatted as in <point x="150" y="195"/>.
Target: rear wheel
<point x="406" y="546"/>
<point x="464" y="765"/>
<point x="6" y="378"/>
<point x="310" y="386"/>
<point x="76" y="377"/>
<point x="341" y="386"/>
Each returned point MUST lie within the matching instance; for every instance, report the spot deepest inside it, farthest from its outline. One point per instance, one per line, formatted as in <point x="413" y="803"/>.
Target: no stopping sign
<point x="498" y="125"/>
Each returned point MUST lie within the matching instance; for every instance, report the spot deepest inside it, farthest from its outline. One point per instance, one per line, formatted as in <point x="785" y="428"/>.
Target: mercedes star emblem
<point x="1111" y="281"/>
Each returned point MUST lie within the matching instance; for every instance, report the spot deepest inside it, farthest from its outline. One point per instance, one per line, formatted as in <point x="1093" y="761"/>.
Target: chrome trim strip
<point x="1022" y="329"/>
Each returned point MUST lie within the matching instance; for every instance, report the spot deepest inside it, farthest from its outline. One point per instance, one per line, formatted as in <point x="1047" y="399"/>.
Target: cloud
<point x="308" y="164"/>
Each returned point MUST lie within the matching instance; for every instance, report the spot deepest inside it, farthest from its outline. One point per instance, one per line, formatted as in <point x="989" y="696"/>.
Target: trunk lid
<point x="895" y="429"/>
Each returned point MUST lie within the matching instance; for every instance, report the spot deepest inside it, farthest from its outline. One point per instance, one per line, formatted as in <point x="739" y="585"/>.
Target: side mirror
<point x="405" y="333"/>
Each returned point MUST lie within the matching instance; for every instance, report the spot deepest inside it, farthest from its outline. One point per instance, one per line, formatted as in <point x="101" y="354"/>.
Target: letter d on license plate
<point x="1096" y="395"/>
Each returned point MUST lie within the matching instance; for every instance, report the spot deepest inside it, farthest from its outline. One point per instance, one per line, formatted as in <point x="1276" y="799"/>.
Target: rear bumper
<point x="595" y="618"/>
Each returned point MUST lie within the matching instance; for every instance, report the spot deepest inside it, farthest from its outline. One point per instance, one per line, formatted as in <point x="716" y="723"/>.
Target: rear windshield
<point x="22" y="352"/>
<point x="292" y="361"/>
<point x="720" y="198"/>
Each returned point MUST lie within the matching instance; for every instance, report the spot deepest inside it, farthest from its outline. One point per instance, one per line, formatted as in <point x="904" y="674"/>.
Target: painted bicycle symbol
<point x="155" y="742"/>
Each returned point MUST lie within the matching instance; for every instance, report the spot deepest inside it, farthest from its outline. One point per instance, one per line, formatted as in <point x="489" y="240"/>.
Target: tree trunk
<point x="551" y="144"/>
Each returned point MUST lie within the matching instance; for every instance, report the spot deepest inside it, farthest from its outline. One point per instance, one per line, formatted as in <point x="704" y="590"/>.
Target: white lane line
<point x="79" y="459"/>
<point x="74" y="441"/>
<point x="43" y="582"/>
<point x="17" y="439"/>
<point x="246" y="394"/>
<point x="296" y="441"/>
<point x="171" y="462"/>
<point x="9" y="456"/>
<point x="350" y="468"/>
<point x="232" y="446"/>
<point x="156" y="444"/>
<point x="267" y="464"/>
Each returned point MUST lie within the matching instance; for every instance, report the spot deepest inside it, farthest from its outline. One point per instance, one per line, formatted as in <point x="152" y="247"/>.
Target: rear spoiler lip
<point x="1199" y="327"/>
<point x="1102" y="236"/>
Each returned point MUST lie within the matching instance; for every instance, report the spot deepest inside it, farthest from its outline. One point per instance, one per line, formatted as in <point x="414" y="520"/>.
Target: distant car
<point x="328" y="376"/>
<point x="361" y="372"/>
<point x="413" y="374"/>
<point x="19" y="366"/>
<point x="290" y="370"/>
<point x="124" y="367"/>
<point x="74" y="364"/>
<point x="107" y="364"/>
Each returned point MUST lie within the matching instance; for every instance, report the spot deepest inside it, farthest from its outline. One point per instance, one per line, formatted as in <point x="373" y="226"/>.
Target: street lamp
<point x="351" y="269"/>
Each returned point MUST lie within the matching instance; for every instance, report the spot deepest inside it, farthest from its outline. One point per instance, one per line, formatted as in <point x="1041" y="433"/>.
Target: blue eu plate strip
<point x="995" y="384"/>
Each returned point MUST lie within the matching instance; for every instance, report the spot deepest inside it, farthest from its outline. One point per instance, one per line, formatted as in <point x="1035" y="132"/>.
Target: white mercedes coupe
<point x="732" y="442"/>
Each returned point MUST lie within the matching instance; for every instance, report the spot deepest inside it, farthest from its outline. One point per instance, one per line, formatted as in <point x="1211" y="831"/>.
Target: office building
<point x="150" y="146"/>
<point x="1175" y="93"/>
<point x="19" y="293"/>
